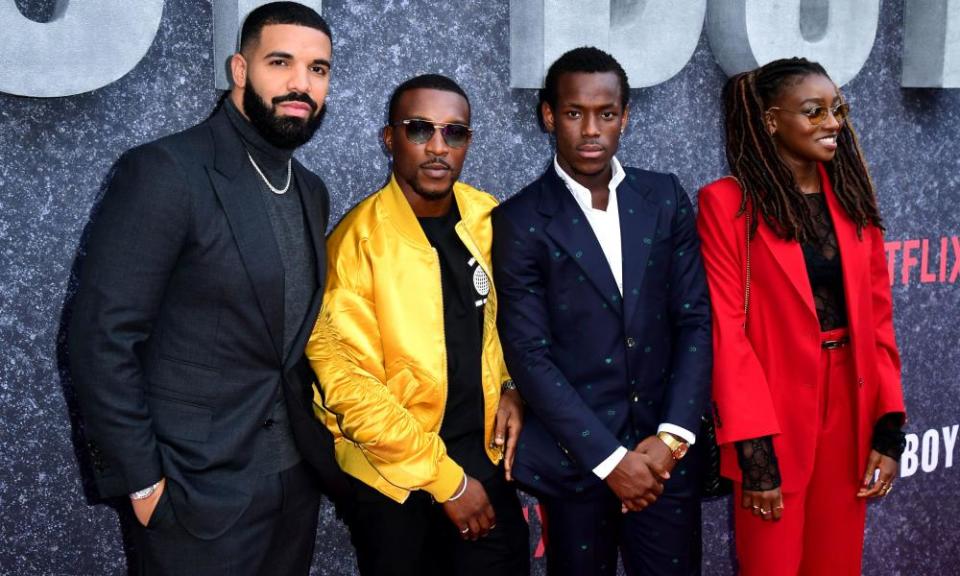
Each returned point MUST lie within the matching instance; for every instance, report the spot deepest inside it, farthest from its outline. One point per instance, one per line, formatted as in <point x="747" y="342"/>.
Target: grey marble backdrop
<point x="55" y="154"/>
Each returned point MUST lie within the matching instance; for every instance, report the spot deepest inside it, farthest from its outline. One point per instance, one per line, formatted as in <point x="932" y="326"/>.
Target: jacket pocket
<point x="162" y="512"/>
<point x="176" y="418"/>
<point x="402" y="385"/>
<point x="190" y="363"/>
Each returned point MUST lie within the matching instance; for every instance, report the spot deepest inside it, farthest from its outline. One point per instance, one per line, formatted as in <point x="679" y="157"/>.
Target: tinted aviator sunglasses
<point x="817" y="115"/>
<point x="421" y="131"/>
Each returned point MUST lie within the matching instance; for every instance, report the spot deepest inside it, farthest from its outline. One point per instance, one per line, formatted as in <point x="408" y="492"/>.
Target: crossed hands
<point x="638" y="479"/>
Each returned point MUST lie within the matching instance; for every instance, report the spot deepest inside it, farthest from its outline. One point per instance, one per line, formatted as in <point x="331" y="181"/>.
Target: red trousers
<point x="821" y="531"/>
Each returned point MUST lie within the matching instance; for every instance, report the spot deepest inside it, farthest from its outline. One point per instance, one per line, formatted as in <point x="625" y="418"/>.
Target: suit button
<point x="268" y="423"/>
<point x="635" y="397"/>
<point x="631" y="343"/>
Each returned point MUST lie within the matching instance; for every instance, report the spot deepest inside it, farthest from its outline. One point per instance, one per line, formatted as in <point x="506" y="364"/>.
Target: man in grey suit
<point x="204" y="273"/>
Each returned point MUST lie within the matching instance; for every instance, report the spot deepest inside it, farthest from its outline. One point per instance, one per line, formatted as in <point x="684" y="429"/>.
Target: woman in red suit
<point x="806" y="373"/>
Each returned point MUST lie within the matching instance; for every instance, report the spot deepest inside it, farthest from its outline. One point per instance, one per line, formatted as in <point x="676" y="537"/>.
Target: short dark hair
<point x="280" y="13"/>
<point x="428" y="81"/>
<point x="582" y="59"/>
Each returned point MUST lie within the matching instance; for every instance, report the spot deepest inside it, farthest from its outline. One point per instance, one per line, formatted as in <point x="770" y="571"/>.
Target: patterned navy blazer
<point x="599" y="370"/>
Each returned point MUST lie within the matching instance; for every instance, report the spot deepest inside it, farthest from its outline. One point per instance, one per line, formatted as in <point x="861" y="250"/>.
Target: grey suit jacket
<point x="176" y="333"/>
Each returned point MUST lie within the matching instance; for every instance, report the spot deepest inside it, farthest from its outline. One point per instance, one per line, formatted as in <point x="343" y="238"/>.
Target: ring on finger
<point x="764" y="512"/>
<point x="465" y="530"/>
<point x="756" y="508"/>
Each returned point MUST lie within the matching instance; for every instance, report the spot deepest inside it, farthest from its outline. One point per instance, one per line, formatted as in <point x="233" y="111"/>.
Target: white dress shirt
<point x="606" y="227"/>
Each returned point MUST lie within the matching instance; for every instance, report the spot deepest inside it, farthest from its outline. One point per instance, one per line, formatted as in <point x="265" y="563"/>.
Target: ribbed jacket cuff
<point x="448" y="481"/>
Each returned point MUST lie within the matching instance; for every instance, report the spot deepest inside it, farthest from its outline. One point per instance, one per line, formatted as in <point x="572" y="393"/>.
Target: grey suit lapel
<point x="234" y="182"/>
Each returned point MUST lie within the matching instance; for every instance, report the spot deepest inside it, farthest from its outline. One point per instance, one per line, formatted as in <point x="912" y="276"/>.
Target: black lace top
<point x="757" y="458"/>
<point x="822" y="256"/>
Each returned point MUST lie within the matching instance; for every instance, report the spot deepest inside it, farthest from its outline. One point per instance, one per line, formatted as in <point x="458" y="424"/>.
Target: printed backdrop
<point x="56" y="152"/>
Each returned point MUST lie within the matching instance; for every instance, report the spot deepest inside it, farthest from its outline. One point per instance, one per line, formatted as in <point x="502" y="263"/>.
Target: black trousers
<point x="275" y="536"/>
<point x="417" y="539"/>
<point x="584" y="534"/>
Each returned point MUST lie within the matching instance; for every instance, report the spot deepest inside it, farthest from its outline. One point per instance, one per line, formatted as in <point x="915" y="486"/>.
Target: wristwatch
<point x="145" y="493"/>
<point x="678" y="448"/>
<point x="507" y="385"/>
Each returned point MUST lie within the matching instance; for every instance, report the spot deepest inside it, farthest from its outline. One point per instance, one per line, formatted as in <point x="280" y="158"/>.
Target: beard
<point x="430" y="195"/>
<point x="435" y="195"/>
<point x="285" y="132"/>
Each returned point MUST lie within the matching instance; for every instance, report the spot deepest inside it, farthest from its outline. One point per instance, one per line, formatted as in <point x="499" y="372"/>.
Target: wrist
<point x="145" y="493"/>
<point x="677" y="446"/>
<point x="460" y="492"/>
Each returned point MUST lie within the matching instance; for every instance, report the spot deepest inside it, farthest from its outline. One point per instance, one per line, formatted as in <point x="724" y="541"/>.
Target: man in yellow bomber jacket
<point x="415" y="390"/>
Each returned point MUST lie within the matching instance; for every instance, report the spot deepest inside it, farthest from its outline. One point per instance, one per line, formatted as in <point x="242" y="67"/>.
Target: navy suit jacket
<point x="599" y="370"/>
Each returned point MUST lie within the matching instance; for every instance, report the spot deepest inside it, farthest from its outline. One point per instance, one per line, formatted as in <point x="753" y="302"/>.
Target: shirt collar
<point x="582" y="194"/>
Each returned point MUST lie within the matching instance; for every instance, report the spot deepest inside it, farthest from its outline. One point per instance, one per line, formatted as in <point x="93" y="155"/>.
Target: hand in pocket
<point x="144" y="509"/>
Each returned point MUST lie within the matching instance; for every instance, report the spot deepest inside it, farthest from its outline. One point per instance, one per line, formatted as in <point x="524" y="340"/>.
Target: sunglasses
<point x="818" y="114"/>
<point x="421" y="131"/>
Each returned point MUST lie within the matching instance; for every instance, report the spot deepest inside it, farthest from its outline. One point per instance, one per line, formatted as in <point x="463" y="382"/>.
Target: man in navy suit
<point x="605" y="325"/>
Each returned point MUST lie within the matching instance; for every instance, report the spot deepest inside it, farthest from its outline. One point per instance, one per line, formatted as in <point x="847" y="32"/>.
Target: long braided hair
<point x="769" y="188"/>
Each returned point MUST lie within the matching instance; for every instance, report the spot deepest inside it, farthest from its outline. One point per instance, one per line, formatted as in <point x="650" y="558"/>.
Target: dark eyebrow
<point x="820" y="100"/>
<point x="602" y="106"/>
<point x="425" y="119"/>
<point x="288" y="56"/>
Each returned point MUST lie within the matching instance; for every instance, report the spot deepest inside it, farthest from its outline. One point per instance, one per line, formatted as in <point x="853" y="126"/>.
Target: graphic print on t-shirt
<point x="480" y="283"/>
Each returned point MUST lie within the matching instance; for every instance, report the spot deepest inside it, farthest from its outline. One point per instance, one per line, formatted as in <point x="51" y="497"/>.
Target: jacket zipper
<point x="443" y="333"/>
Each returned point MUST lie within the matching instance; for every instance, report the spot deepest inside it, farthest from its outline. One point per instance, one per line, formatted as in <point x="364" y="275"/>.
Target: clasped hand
<point x="638" y="479"/>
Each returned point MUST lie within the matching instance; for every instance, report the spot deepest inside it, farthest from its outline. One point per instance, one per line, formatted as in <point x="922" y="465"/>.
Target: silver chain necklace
<point x="267" y="182"/>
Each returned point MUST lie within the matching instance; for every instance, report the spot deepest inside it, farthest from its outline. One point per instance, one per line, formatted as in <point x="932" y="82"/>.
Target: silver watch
<point x="507" y="385"/>
<point x="145" y="493"/>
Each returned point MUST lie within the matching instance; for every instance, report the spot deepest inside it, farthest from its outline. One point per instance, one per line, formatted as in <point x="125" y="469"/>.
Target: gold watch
<point x="678" y="448"/>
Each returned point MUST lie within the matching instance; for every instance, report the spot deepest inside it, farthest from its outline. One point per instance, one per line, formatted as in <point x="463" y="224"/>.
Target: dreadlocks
<point x="769" y="188"/>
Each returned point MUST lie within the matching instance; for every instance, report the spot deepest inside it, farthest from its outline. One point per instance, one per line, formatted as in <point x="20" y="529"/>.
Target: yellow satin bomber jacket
<point x="378" y="346"/>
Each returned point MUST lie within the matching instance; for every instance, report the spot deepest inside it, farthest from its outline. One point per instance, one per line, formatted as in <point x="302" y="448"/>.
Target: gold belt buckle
<point x="834" y="344"/>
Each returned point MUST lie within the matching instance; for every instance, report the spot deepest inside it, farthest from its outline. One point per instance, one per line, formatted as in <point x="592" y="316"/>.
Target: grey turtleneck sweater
<point x="290" y="231"/>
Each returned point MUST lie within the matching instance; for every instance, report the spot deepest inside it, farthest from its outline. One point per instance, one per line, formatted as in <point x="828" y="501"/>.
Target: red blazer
<point x="765" y="376"/>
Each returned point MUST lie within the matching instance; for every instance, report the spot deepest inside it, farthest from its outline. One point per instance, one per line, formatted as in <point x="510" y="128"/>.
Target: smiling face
<point x="281" y="82"/>
<point x="798" y="140"/>
<point x="426" y="172"/>
<point x="587" y="121"/>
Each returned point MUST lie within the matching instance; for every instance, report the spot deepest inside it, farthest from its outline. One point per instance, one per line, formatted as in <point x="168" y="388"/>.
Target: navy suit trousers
<point x="583" y="536"/>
